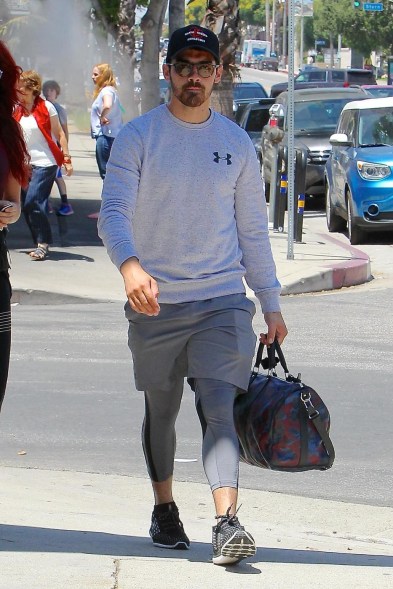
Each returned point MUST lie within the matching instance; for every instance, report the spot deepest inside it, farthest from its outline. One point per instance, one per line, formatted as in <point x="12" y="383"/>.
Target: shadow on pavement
<point x="32" y="539"/>
<point x="56" y="256"/>
<point x="75" y="230"/>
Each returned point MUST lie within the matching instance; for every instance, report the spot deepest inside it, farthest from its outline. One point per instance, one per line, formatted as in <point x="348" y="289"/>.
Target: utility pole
<point x="267" y="16"/>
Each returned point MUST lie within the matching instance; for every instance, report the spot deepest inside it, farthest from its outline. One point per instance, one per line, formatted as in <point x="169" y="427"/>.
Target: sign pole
<point x="291" y="126"/>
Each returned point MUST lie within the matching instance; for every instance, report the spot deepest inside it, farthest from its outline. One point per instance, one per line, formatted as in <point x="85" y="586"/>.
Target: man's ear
<point x="165" y="70"/>
<point x="218" y="75"/>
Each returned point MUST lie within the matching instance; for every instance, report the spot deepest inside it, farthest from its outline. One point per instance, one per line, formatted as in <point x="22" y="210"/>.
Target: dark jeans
<point x="5" y="331"/>
<point x="35" y="203"/>
<point x="103" y="150"/>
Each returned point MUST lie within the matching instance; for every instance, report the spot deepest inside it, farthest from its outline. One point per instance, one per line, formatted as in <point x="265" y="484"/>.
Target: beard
<point x="189" y="97"/>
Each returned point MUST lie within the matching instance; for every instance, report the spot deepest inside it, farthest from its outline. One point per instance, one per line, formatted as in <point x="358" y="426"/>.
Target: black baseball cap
<point x="193" y="37"/>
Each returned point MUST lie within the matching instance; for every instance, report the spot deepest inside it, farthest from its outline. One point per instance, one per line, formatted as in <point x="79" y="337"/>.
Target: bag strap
<point x="315" y="418"/>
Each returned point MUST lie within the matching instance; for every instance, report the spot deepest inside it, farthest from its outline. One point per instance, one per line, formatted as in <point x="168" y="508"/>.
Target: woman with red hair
<point x="43" y="135"/>
<point x="13" y="174"/>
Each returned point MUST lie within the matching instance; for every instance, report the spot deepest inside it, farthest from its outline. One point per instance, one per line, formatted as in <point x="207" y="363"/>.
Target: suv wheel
<point x="333" y="221"/>
<point x="355" y="234"/>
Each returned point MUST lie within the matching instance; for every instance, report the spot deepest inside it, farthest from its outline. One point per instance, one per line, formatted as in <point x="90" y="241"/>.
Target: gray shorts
<point x="202" y="339"/>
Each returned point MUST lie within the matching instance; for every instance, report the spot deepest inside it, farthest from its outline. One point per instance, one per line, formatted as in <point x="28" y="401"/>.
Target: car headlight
<point x="371" y="171"/>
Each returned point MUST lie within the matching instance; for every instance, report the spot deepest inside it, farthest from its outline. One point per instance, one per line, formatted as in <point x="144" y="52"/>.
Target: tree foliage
<point x="195" y="11"/>
<point x="360" y="30"/>
<point x="252" y="12"/>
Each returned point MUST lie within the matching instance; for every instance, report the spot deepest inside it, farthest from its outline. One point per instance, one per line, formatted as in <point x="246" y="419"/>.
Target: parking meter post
<point x="281" y="203"/>
<point x="275" y="188"/>
<point x="300" y="183"/>
<point x="273" y="184"/>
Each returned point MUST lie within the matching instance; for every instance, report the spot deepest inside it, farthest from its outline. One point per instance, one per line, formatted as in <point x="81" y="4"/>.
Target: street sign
<point x="373" y="6"/>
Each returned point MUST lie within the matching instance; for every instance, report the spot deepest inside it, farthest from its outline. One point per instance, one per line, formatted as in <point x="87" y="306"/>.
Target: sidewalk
<point x="79" y="267"/>
<point x="87" y="531"/>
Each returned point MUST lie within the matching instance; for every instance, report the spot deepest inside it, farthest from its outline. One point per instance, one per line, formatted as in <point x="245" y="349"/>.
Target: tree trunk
<point x="222" y="17"/>
<point x="151" y="25"/>
<point x="126" y="42"/>
<point x="176" y="15"/>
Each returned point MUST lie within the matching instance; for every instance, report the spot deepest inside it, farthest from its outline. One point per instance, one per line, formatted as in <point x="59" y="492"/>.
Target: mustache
<point x="192" y="85"/>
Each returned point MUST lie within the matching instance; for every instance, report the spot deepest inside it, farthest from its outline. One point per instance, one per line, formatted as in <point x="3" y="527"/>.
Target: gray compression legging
<point x="220" y="449"/>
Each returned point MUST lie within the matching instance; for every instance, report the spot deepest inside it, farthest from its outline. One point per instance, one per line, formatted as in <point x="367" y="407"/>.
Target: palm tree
<point x="222" y="17"/>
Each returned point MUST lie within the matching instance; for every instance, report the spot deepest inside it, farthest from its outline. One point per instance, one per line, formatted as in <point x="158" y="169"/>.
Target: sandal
<point x="40" y="253"/>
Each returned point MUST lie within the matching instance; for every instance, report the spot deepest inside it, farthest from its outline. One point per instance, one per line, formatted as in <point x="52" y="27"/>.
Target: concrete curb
<point x="353" y="272"/>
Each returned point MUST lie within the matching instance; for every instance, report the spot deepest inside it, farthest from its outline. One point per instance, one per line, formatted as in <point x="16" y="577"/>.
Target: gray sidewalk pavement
<point x="78" y="265"/>
<point x="90" y="531"/>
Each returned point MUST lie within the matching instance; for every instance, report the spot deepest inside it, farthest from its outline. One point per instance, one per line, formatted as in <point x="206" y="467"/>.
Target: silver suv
<point x="317" y="111"/>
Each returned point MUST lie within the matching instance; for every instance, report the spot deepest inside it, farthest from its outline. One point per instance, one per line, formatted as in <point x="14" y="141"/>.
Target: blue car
<point x="359" y="171"/>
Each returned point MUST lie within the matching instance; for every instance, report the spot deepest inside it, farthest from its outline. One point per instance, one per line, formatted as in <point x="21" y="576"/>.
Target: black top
<point x="4" y="171"/>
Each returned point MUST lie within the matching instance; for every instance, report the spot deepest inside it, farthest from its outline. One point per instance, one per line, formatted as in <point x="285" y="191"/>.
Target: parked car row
<point x="315" y="77"/>
<point x="348" y="136"/>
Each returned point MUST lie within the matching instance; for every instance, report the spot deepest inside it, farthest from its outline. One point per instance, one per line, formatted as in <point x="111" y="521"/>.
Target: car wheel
<point x="355" y="234"/>
<point x="333" y="221"/>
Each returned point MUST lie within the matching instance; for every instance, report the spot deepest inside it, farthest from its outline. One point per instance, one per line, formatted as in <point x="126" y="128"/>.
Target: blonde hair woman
<point x="106" y="120"/>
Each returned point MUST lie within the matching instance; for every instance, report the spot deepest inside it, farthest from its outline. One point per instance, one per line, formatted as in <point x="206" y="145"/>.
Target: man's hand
<point x="141" y="288"/>
<point x="276" y="328"/>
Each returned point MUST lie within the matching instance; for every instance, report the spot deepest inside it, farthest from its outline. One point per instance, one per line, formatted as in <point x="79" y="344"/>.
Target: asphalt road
<point x="71" y="403"/>
<point x="267" y="79"/>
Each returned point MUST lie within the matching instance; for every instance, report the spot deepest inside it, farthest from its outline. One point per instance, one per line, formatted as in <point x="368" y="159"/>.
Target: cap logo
<point x="196" y="34"/>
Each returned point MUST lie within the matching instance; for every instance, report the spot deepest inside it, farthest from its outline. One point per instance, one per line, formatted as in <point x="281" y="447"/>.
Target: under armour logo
<point x="217" y="158"/>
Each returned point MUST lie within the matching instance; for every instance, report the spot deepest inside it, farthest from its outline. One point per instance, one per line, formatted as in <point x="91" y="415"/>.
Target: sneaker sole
<point x="236" y="549"/>
<point x="177" y="546"/>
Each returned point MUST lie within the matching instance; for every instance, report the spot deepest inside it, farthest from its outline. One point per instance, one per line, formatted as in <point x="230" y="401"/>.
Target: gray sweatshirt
<point x="187" y="200"/>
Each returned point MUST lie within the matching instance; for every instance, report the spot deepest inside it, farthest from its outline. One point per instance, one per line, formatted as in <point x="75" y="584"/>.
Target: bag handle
<point x="271" y="361"/>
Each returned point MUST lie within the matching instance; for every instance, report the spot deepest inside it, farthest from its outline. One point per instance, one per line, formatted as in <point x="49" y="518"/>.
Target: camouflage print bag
<point x="281" y="423"/>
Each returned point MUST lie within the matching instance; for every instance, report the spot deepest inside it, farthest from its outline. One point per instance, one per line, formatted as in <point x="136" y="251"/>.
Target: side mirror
<point x="340" y="139"/>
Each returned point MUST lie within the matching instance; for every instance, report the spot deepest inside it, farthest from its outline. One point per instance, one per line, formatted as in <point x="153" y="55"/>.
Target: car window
<point x="383" y="92"/>
<point x="311" y="76"/>
<point x="344" y="122"/>
<point x="338" y="76"/>
<point x="376" y="126"/>
<point x="318" y="114"/>
<point x="257" y="120"/>
<point x="244" y="91"/>
<point x="317" y="76"/>
<point x="361" y="77"/>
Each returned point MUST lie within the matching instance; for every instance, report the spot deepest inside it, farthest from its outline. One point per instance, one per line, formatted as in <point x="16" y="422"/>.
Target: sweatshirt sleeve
<point x="253" y="232"/>
<point x="119" y="196"/>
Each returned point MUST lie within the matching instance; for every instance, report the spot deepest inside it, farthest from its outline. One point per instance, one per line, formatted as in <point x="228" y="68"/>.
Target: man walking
<point x="184" y="219"/>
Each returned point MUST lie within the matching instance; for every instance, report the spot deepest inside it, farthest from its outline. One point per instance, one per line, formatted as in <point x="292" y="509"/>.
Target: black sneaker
<point x="166" y="528"/>
<point x="231" y="542"/>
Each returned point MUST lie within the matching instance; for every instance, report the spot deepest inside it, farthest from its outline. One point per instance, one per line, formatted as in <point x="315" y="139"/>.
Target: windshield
<point x="318" y="115"/>
<point x="382" y="92"/>
<point x="242" y="91"/>
<point x="376" y="126"/>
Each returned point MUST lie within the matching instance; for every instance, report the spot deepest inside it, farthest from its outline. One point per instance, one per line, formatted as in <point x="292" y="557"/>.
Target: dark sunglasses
<point x="184" y="69"/>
